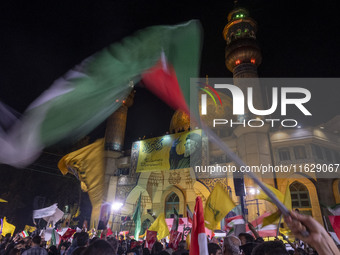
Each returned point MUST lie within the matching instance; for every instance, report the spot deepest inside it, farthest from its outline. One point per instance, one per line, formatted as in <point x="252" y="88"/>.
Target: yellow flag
<point x="263" y="196"/>
<point x="87" y="164"/>
<point x="217" y="207"/>
<point x="287" y="201"/>
<point x="3" y="201"/>
<point x="160" y="226"/>
<point x="29" y="228"/>
<point x="274" y="217"/>
<point x="7" y="228"/>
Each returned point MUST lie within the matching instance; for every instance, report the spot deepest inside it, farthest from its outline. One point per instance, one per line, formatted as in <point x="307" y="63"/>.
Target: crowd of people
<point x="311" y="238"/>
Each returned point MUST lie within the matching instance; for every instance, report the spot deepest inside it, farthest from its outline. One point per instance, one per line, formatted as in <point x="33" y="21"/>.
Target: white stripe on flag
<point x="203" y="244"/>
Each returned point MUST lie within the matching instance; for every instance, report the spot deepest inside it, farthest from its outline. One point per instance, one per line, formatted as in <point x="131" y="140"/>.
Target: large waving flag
<point x="6" y="228"/>
<point x="89" y="93"/>
<point x="217" y="206"/>
<point x="160" y="226"/>
<point x="198" y="242"/>
<point x="87" y="164"/>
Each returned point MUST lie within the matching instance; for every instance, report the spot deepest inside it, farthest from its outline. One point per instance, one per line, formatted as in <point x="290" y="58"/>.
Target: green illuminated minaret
<point x="242" y="53"/>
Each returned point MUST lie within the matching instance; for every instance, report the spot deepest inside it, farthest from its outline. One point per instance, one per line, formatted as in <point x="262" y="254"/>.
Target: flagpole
<point x="215" y="139"/>
<point x="278" y="226"/>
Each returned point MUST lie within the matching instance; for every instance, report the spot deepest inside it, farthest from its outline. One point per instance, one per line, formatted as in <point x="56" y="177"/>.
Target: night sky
<point x="41" y="40"/>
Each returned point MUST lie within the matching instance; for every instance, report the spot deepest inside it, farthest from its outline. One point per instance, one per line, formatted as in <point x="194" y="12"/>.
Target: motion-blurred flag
<point x="165" y="56"/>
<point x="286" y="200"/>
<point x="6" y="227"/>
<point x="198" y="241"/>
<point x="87" y="164"/>
<point x="137" y="217"/>
<point x="276" y="192"/>
<point x="159" y="225"/>
<point x="3" y="201"/>
<point x="217" y="206"/>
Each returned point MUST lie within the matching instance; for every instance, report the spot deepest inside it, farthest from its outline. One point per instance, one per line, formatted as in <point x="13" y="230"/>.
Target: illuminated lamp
<point x="253" y="61"/>
<point x="117" y="100"/>
<point x="116" y="206"/>
<point x="123" y="101"/>
<point x="237" y="62"/>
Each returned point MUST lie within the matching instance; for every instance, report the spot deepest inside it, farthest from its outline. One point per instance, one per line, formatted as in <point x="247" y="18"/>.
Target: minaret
<point x="242" y="57"/>
<point x="242" y="54"/>
<point x="114" y="142"/>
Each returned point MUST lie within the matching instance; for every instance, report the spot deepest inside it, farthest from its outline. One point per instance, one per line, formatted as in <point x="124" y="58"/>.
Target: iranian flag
<point x="198" y="242"/>
<point x="165" y="57"/>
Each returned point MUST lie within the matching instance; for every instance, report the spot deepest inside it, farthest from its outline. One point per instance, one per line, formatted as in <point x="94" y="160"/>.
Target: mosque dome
<point x="215" y="110"/>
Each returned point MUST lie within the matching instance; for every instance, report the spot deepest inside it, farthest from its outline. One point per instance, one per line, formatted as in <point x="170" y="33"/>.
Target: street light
<point x="116" y="206"/>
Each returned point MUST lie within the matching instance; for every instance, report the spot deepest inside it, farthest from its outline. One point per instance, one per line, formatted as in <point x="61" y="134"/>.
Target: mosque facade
<point x="162" y="190"/>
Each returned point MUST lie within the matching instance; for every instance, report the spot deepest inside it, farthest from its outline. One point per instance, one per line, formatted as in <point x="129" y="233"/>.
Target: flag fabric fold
<point x="286" y="199"/>
<point x="137" y="217"/>
<point x="215" y="210"/>
<point x="87" y="164"/>
<point x="53" y="219"/>
<point x="198" y="241"/>
<point x="160" y="226"/>
<point x="89" y="93"/>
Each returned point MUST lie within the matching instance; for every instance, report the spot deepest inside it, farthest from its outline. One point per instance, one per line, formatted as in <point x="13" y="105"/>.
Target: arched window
<point x="300" y="196"/>
<point x="171" y="202"/>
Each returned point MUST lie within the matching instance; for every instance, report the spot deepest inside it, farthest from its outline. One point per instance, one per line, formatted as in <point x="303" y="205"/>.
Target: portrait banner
<point x="176" y="151"/>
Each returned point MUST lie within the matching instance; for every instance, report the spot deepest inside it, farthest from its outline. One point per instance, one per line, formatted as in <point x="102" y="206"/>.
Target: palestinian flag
<point x="165" y="57"/>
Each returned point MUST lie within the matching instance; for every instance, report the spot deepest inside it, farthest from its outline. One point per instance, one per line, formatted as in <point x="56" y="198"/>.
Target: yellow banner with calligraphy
<point x="175" y="151"/>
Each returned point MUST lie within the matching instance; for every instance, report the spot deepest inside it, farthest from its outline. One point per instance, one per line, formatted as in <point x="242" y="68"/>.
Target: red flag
<point x="198" y="242"/>
<point x="151" y="238"/>
<point x="162" y="81"/>
<point x="109" y="232"/>
<point x="175" y="238"/>
<point x="335" y="221"/>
